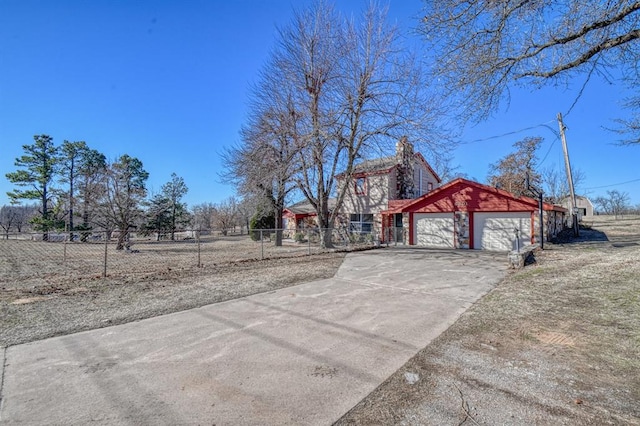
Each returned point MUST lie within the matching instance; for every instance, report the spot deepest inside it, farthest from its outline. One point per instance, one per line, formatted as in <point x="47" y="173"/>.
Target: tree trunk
<point x="325" y="225"/>
<point x="71" y="177"/>
<point x="279" y="211"/>
<point x="326" y="240"/>
<point x="45" y="215"/>
<point x="121" y="239"/>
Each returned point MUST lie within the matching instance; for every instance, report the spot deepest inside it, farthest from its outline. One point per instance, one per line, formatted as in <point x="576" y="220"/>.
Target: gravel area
<point x="54" y="306"/>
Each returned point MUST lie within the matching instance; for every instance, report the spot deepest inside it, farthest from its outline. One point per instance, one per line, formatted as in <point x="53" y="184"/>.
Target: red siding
<point x="468" y="196"/>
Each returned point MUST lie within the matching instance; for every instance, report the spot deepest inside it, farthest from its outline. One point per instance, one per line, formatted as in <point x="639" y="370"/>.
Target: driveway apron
<point x="300" y="355"/>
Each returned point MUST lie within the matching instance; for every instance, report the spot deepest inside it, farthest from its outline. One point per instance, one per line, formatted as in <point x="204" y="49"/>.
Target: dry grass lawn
<point x="49" y="289"/>
<point x="25" y="264"/>
<point x="555" y="343"/>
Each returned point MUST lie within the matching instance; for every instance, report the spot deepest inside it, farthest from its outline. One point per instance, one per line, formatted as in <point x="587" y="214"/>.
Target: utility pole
<point x="538" y="192"/>
<point x="574" y="210"/>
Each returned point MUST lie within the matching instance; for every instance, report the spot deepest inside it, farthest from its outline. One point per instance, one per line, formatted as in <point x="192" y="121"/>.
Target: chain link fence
<point x="37" y="259"/>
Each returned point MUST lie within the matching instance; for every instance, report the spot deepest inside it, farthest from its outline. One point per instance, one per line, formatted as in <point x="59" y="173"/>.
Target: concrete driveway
<point x="301" y="355"/>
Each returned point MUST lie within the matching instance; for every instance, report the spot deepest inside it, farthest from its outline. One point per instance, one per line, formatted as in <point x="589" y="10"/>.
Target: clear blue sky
<point x="167" y="82"/>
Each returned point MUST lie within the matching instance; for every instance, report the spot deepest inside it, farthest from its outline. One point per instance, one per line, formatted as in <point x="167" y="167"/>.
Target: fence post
<point x="64" y="252"/>
<point x="309" y="240"/>
<point x="261" y="245"/>
<point x="198" y="240"/>
<point x="106" y="244"/>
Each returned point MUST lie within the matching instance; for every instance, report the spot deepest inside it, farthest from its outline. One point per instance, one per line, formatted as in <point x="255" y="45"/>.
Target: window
<point x="360" y="185"/>
<point x="361" y="223"/>
<point x="429" y="186"/>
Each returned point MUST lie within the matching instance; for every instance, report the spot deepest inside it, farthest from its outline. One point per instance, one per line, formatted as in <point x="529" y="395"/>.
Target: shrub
<point x="261" y="220"/>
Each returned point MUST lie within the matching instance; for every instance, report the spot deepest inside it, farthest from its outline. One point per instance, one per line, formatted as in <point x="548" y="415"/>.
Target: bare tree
<point x="483" y="47"/>
<point x="225" y="217"/>
<point x="246" y="208"/>
<point x="615" y="203"/>
<point x="629" y="128"/>
<point x="120" y="205"/>
<point x="444" y="167"/>
<point x="13" y="218"/>
<point x="351" y="88"/>
<point x="510" y="173"/>
<point x="555" y="185"/>
<point x="23" y="215"/>
<point x="203" y="215"/>
<point x="263" y="166"/>
<point x="8" y="217"/>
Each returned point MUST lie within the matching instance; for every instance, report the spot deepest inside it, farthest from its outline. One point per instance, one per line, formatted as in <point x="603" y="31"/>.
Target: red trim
<point x="447" y="197"/>
<point x="360" y="190"/>
<point x="471" y="229"/>
<point x="532" y="231"/>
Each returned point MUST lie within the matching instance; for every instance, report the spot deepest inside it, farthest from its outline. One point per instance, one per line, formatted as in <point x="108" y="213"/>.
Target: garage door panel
<point x="496" y="231"/>
<point x="434" y="230"/>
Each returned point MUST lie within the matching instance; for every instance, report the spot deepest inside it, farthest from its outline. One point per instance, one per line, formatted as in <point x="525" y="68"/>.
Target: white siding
<point x="375" y="197"/>
<point x="434" y="230"/>
<point x="496" y="231"/>
<point x="422" y="179"/>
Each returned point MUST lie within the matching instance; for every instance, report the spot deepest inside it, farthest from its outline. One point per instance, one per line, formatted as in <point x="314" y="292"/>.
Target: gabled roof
<point x="375" y="165"/>
<point x="567" y="200"/>
<point x="304" y="208"/>
<point x="463" y="194"/>
<point x="384" y="165"/>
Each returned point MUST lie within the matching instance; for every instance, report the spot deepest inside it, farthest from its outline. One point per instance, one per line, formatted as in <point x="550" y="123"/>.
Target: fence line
<point x="32" y="258"/>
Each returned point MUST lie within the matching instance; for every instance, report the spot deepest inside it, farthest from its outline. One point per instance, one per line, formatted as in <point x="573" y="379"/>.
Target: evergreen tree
<point x="38" y="167"/>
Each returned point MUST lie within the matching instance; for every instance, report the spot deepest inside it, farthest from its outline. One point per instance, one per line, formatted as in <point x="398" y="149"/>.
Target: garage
<point x="463" y="214"/>
<point x="496" y="231"/>
<point x="434" y="230"/>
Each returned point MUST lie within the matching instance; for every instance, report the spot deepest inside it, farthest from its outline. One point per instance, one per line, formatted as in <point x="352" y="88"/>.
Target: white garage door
<point x="434" y="229"/>
<point x="496" y="231"/>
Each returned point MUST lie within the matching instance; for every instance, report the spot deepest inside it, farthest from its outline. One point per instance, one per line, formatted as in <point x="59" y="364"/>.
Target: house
<point x="469" y="215"/>
<point x="583" y="204"/>
<point x="375" y="183"/>
<point x="401" y="199"/>
<point x="302" y="215"/>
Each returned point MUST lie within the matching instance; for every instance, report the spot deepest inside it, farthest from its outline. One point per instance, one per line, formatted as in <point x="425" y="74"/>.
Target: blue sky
<point x="168" y="82"/>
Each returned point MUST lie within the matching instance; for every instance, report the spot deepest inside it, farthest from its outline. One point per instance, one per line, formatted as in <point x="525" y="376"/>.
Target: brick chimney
<point x="405" y="160"/>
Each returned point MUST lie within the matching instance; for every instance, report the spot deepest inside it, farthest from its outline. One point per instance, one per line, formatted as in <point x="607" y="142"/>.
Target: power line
<point x="614" y="184"/>
<point x="512" y="133"/>
<point x="549" y="150"/>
